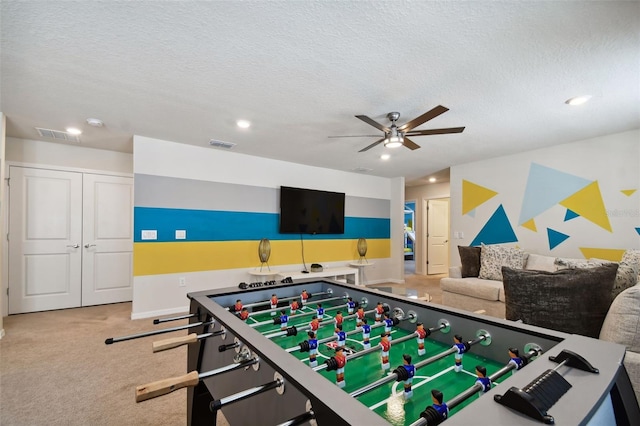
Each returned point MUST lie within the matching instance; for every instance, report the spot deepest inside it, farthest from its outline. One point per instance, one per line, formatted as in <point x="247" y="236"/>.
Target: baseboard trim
<point x="159" y="313"/>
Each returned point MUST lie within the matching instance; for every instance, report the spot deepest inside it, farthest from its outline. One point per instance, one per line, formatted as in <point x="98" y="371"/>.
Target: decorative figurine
<point x="379" y="312"/>
<point x="294" y="306"/>
<point x="320" y="311"/>
<point x="440" y="407"/>
<point x="461" y="349"/>
<point x="385" y="345"/>
<point x="421" y="333"/>
<point x="514" y="358"/>
<point x="341" y="361"/>
<point x="338" y="318"/>
<point x="244" y="314"/>
<point x="484" y="381"/>
<point x="284" y="319"/>
<point x="388" y="323"/>
<point x="366" y="333"/>
<point x="410" y="372"/>
<point x="359" y="316"/>
<point x="238" y="307"/>
<point x="274" y="304"/>
<point x="314" y="324"/>
<point x="351" y="306"/>
<point x="313" y="349"/>
<point x="342" y="336"/>
<point x="304" y="296"/>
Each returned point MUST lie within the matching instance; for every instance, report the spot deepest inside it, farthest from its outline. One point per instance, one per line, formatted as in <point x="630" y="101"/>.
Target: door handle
<point x="446" y="241"/>
<point x="89" y="245"/>
<point x="74" y="246"/>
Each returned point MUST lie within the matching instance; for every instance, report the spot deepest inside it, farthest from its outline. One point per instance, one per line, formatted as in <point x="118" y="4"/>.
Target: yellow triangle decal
<point x="588" y="203"/>
<point x="530" y="224"/>
<point x="628" y="192"/>
<point x="614" y="255"/>
<point x="473" y="195"/>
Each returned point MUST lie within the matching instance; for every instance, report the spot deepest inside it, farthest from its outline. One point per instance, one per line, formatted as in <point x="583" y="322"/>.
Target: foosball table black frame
<point x="305" y="391"/>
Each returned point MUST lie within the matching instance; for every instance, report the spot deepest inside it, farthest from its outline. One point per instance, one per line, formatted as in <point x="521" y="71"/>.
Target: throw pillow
<point x="627" y="275"/>
<point x="569" y="300"/>
<point x="632" y="256"/>
<point x="494" y="257"/>
<point x="470" y="259"/>
<point x="541" y="263"/>
<point x="623" y="320"/>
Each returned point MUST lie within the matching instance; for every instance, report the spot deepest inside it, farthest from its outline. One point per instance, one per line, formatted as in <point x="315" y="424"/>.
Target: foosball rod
<point x="111" y="340"/>
<point x="174" y="342"/>
<point x="333" y="308"/>
<point x="284" y="299"/>
<point x="461" y="397"/>
<point x="367" y="351"/>
<point x="181" y="317"/>
<point x="278" y="384"/>
<point x="394" y="376"/>
<point x="258" y="324"/>
<point x="165" y="386"/>
<point x="299" y="420"/>
<point x="330" y="338"/>
<point x="307" y="327"/>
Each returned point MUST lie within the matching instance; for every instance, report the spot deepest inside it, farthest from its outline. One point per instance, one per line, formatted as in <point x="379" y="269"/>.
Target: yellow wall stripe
<point x="176" y="257"/>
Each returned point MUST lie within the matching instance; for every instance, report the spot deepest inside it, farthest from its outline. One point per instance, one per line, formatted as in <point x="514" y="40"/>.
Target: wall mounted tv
<point x="309" y="211"/>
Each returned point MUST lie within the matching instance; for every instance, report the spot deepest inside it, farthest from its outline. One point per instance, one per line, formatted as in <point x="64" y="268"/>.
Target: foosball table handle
<point x="165" y="386"/>
<point x="174" y="342"/>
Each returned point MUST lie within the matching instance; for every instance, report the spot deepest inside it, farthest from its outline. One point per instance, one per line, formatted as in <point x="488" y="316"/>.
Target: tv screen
<point x="308" y="211"/>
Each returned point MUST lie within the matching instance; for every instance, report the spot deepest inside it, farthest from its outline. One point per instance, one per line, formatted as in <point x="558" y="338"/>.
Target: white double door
<point x="70" y="239"/>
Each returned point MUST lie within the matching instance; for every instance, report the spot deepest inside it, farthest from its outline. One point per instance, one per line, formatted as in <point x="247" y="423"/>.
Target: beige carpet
<point x="56" y="370"/>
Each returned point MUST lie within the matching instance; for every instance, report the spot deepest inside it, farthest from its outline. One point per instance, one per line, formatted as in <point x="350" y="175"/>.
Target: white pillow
<point x="541" y="263"/>
<point x="494" y="257"/>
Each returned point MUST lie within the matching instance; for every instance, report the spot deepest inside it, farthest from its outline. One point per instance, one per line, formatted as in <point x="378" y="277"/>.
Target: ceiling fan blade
<point x="373" y="144"/>
<point x="423" y="118"/>
<point x="353" y="136"/>
<point x="435" y="131"/>
<point x="373" y="123"/>
<point x="410" y="144"/>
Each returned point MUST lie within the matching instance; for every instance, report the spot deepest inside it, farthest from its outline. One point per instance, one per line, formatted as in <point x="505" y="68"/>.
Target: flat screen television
<point x="309" y="211"/>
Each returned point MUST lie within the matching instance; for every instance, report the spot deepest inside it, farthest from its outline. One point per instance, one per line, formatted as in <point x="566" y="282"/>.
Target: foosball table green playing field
<point x="320" y="352"/>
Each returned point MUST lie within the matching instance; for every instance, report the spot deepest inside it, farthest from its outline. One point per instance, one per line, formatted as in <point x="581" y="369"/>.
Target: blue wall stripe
<point x="210" y="225"/>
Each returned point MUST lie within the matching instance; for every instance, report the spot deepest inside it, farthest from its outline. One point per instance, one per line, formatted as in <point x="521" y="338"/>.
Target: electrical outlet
<point x="182" y="282"/>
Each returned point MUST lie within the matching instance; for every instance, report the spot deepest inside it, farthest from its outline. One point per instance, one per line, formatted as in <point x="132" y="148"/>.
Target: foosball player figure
<point x="304" y="296"/>
<point x="359" y="316"/>
<point x="314" y="324"/>
<point x="351" y="306"/>
<point x="342" y="336"/>
<point x="237" y="308"/>
<point x="282" y="320"/>
<point x="294" y="306"/>
<point x="366" y="333"/>
<point x="514" y="358"/>
<point x="320" y="311"/>
<point x="338" y="318"/>
<point x="484" y="381"/>
<point x="405" y="373"/>
<point x="438" y="411"/>
<point x="421" y="333"/>
<point x="379" y="311"/>
<point x="274" y="303"/>
<point x="388" y="324"/>
<point x="337" y="362"/>
<point x="313" y="349"/>
<point x="461" y="347"/>
<point x="385" y="346"/>
<point x="244" y="314"/>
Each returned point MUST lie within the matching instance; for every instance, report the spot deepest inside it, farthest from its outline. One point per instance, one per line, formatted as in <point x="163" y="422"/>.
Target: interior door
<point x="438" y="236"/>
<point x="107" y="271"/>
<point x="45" y="233"/>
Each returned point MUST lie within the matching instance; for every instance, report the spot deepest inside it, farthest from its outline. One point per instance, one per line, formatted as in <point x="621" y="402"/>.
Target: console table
<point x="338" y="274"/>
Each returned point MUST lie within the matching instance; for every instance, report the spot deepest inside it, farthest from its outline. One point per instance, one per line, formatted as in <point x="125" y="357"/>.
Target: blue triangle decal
<point x="497" y="230"/>
<point x="555" y="238"/>
<point x="638" y="231"/>
<point x="570" y="214"/>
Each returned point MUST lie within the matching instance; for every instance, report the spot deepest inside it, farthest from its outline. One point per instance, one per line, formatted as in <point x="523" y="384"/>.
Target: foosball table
<point x="329" y="353"/>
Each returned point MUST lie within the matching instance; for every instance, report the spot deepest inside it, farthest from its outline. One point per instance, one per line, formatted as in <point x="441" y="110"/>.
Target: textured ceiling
<point x="301" y="70"/>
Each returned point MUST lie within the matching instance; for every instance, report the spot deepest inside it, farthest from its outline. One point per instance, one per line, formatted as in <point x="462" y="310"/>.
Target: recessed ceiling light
<point x="74" y="131"/>
<point x="95" y="122"/>
<point x="243" y="124"/>
<point x="578" y="100"/>
<point x="385" y="156"/>
<point x="432" y="179"/>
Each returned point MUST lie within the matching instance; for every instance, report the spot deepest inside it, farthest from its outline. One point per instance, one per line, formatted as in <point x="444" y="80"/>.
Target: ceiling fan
<point x="395" y="136"/>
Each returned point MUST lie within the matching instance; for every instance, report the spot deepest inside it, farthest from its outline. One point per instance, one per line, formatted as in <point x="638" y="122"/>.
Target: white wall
<point x="610" y="160"/>
<point x="3" y="294"/>
<point x="158" y="294"/>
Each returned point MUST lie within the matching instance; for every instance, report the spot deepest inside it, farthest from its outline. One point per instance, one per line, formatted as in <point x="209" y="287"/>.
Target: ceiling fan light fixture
<point x="395" y="138"/>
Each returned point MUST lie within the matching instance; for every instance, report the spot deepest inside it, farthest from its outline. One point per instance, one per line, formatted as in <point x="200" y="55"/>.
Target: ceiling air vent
<point x="57" y="134"/>
<point x="221" y="144"/>
<point x="362" y="170"/>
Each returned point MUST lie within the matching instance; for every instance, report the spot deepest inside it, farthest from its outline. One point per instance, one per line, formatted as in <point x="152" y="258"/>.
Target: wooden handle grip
<point x="174" y="342"/>
<point x="165" y="386"/>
